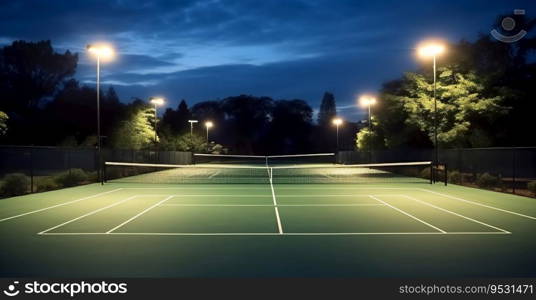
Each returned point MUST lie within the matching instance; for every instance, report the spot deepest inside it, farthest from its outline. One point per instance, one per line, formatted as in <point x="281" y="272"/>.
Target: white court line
<point x="215" y="173"/>
<point x="271" y="205"/>
<point x="279" y="226"/>
<point x="480" y="204"/>
<point x="331" y="195"/>
<point x="208" y="195"/>
<point x="264" y="196"/>
<point x="61" y="204"/>
<point x="88" y="214"/>
<point x="456" y="214"/>
<point x="274" y="233"/>
<point x="139" y="214"/>
<point x="408" y="214"/>
<point x="281" y="186"/>
<point x="348" y="188"/>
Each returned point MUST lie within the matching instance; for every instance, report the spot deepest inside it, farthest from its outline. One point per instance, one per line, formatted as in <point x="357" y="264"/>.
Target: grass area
<point x="260" y="230"/>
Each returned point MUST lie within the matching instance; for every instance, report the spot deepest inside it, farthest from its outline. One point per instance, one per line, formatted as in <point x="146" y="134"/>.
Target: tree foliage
<point x="460" y="101"/>
<point x="3" y="123"/>
<point x="328" y="110"/>
<point x="485" y="96"/>
<point x="31" y="71"/>
<point x="174" y="121"/>
<point x="137" y="131"/>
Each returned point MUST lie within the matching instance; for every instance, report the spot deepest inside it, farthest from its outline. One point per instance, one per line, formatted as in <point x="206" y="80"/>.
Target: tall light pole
<point x="192" y="126"/>
<point x="368" y="101"/>
<point x="157" y="101"/>
<point x="337" y="122"/>
<point x="101" y="52"/>
<point x="433" y="49"/>
<point x="208" y="125"/>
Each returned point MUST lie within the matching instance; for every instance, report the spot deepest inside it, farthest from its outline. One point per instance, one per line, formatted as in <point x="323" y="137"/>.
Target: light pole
<point x="100" y="51"/>
<point x="157" y="102"/>
<point x="192" y="127"/>
<point x="337" y="122"/>
<point x="208" y="125"/>
<point x="433" y="49"/>
<point x="368" y="101"/>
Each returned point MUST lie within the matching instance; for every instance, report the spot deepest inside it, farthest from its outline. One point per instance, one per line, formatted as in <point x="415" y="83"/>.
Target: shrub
<point x="71" y="178"/>
<point x="532" y="186"/>
<point x="425" y="173"/>
<point x="46" y="184"/>
<point x="92" y="176"/>
<point x="486" y="180"/>
<point x="15" y="184"/>
<point x="455" y="177"/>
<point x="113" y="173"/>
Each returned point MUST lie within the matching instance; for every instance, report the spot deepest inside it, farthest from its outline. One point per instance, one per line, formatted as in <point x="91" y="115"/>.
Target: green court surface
<point x="265" y="230"/>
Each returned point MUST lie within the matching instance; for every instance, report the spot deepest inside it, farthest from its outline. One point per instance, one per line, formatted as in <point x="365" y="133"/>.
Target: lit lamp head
<point x="431" y="49"/>
<point x="102" y="51"/>
<point x="337" y="121"/>
<point x="366" y="101"/>
<point x="157" y="101"/>
<point x="209" y="124"/>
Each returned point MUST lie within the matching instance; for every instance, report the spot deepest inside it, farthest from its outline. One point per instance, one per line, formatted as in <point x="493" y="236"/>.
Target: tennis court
<point x="277" y="219"/>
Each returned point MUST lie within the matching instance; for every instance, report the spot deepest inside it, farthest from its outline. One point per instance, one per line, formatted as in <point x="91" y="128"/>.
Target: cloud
<point x="305" y="79"/>
<point x="207" y="49"/>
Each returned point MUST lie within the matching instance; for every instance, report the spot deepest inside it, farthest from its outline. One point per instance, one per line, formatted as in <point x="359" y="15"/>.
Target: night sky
<point x="203" y="50"/>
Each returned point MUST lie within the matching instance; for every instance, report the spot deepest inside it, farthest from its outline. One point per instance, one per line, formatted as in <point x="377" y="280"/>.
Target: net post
<point x="446" y="174"/>
<point x="103" y="175"/>
<point x="513" y="170"/>
<point x="31" y="171"/>
<point x="104" y="172"/>
<point x="431" y="173"/>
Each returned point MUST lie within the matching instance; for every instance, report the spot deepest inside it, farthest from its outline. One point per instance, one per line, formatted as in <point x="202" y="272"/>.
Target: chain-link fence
<point x="501" y="169"/>
<point x="28" y="169"/>
<point x="35" y="169"/>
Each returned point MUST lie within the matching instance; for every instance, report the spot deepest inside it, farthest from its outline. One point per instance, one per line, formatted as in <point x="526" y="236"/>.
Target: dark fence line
<point x="502" y="169"/>
<point x="25" y="169"/>
<point x="28" y="169"/>
<point x="147" y="156"/>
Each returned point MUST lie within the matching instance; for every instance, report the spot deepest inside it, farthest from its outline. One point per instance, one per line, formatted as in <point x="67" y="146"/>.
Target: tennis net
<point x="271" y="160"/>
<point x="408" y="172"/>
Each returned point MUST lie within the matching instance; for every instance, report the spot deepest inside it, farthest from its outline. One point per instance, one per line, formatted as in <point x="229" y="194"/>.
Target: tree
<point x="367" y="140"/>
<point x="460" y="102"/>
<point x="137" y="131"/>
<point x="73" y="111"/>
<point x="176" y="121"/>
<point x="247" y="121"/>
<point x="487" y="78"/>
<point x="191" y="143"/>
<point x="31" y="71"/>
<point x="328" y="110"/>
<point x="290" y="128"/>
<point x="3" y="123"/>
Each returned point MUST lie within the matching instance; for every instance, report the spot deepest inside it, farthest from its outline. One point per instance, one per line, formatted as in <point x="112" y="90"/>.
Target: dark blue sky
<point x="209" y="49"/>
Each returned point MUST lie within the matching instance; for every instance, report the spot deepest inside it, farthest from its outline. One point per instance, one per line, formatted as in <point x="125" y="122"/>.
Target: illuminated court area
<point x="230" y="230"/>
<point x="256" y="211"/>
